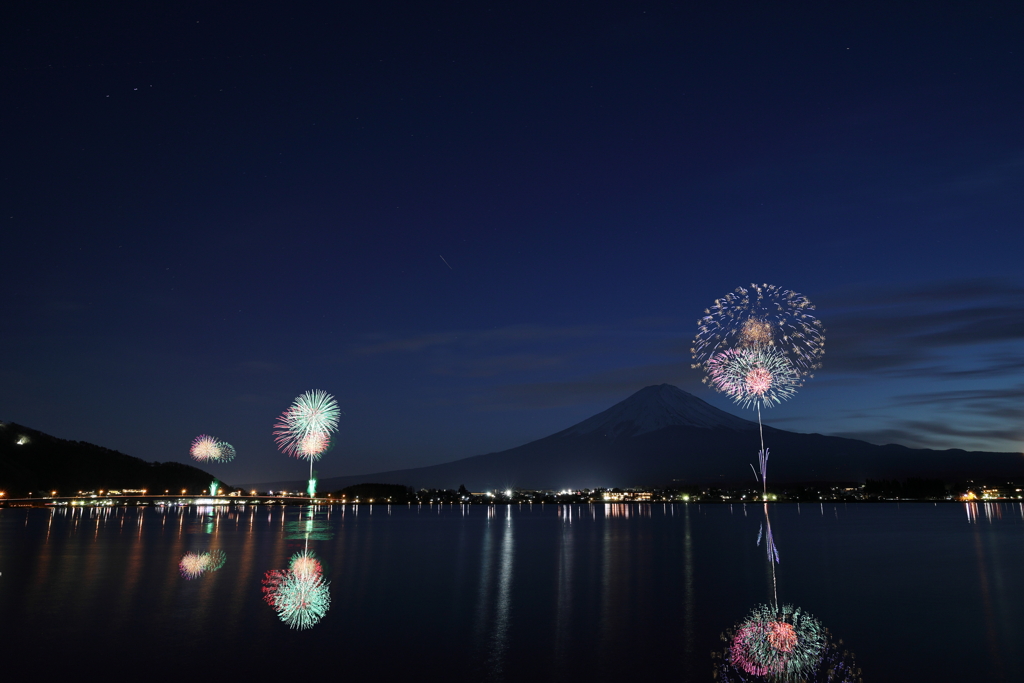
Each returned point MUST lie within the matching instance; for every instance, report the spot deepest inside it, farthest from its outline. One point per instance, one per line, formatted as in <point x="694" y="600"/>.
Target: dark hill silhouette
<point x="31" y="461"/>
<point x="662" y="435"/>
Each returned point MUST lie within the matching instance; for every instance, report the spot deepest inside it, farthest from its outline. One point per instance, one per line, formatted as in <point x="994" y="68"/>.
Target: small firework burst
<point x="205" y="448"/>
<point x="304" y="564"/>
<point x="215" y="559"/>
<point x="763" y="315"/>
<point x="313" y="413"/>
<point x="312" y="445"/>
<point x="192" y="565"/>
<point x="227" y="451"/>
<point x="759" y="376"/>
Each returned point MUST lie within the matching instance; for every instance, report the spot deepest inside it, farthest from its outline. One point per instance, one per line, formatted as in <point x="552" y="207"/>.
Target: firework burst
<point x="205" y="448"/>
<point x="753" y="376"/>
<point x="227" y="451"/>
<point x="312" y="445"/>
<point x="763" y="315"/>
<point x="304" y="429"/>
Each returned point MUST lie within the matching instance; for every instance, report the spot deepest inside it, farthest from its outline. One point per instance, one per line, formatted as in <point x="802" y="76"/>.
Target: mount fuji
<point x="664" y="436"/>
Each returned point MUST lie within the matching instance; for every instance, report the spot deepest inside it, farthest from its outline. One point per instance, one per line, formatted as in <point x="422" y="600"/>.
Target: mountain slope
<point x="31" y="461"/>
<point x="662" y="435"/>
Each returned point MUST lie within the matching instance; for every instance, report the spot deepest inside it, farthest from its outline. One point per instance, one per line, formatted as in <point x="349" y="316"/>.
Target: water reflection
<point x="299" y="594"/>
<point x="193" y="565"/>
<point x="783" y="644"/>
<point x="494" y="614"/>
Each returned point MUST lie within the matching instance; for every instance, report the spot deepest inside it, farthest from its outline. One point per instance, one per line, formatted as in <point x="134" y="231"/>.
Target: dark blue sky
<point x="208" y="211"/>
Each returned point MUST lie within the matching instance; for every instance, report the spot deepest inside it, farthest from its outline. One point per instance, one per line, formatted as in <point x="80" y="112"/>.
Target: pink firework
<point x="758" y="376"/>
<point x="742" y="653"/>
<point x="759" y="381"/>
<point x="305" y="565"/>
<point x="271" y="583"/>
<point x="205" y="448"/>
<point x="312" y="445"/>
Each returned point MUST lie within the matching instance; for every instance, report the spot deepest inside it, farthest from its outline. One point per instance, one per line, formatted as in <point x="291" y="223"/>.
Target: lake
<point x="601" y="592"/>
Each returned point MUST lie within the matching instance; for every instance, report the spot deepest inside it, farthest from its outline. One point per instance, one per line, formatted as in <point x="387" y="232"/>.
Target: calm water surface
<point x="605" y="592"/>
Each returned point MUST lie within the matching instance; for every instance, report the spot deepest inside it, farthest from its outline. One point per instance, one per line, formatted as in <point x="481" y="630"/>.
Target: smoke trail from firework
<point x="763" y="315"/>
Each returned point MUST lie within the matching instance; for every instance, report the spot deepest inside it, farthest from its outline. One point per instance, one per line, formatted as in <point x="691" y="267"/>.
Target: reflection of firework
<point x="309" y="529"/>
<point x="763" y="315"/>
<point x="758" y="375"/>
<point x="271" y="582"/>
<point x="304" y="564"/>
<point x="304" y="429"/>
<point x="192" y="565"/>
<point x="783" y="644"/>
<point x="302" y="600"/>
<point x="215" y="560"/>
<point x="205" y="448"/>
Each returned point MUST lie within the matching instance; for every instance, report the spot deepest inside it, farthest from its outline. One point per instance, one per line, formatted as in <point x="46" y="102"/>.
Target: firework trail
<point x="770" y="549"/>
<point x="754" y="376"/>
<point x="304" y="430"/>
<point x="784" y="644"/>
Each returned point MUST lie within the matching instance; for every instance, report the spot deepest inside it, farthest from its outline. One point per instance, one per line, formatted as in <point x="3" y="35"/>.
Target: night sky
<point x="478" y="223"/>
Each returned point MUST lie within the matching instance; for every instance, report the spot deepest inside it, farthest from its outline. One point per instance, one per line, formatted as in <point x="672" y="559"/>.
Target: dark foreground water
<point x="919" y="592"/>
